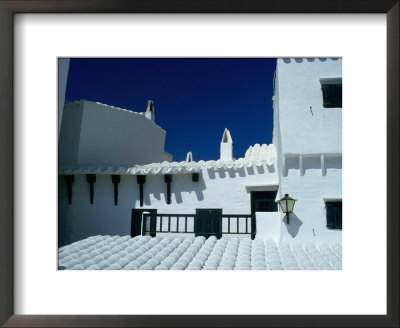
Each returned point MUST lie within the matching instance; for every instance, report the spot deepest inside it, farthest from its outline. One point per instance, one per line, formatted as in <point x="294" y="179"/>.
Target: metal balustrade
<point x="211" y="224"/>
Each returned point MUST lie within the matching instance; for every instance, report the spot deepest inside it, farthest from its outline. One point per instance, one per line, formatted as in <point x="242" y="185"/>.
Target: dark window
<point x="334" y="215"/>
<point x="332" y="94"/>
<point x="208" y="222"/>
<point x="263" y="201"/>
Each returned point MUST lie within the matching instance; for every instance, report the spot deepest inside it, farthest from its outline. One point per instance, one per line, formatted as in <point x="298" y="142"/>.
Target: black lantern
<point x="287" y="205"/>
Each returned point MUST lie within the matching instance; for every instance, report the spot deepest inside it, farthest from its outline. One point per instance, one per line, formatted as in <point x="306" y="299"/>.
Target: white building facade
<point x="308" y="137"/>
<point x="109" y="191"/>
<point x="224" y="185"/>
<point x="95" y="133"/>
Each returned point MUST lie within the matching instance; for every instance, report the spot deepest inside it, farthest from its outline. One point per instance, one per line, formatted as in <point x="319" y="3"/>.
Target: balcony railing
<point x="200" y="224"/>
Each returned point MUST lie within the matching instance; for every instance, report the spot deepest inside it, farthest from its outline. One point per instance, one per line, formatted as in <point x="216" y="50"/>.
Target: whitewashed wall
<point x="229" y="190"/>
<point x="305" y="130"/>
<point x="93" y="133"/>
<point x="309" y="142"/>
<point x="308" y="221"/>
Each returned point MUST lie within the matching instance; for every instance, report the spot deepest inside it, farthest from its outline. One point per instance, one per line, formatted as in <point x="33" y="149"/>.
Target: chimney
<point x="226" y="146"/>
<point x="149" y="113"/>
<point x="189" y="157"/>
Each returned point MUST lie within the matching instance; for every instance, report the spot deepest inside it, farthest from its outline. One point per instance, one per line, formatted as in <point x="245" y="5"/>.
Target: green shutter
<point x="208" y="222"/>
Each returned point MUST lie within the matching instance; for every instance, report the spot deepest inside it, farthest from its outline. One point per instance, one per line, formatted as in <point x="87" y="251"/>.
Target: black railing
<point x="200" y="224"/>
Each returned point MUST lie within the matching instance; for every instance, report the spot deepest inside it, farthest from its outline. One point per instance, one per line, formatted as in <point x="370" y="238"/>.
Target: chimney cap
<point x="189" y="157"/>
<point x="226" y="137"/>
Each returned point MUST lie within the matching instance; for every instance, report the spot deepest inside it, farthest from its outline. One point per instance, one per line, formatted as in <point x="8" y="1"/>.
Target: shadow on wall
<point x="156" y="189"/>
<point x="294" y="226"/>
<point x="300" y="60"/>
<point x="212" y="173"/>
<point x="221" y="174"/>
<point x="311" y="163"/>
<point x="196" y="187"/>
<point x="291" y="163"/>
<point x="153" y="189"/>
<point x="333" y="162"/>
<point x="260" y="170"/>
<point x="184" y="184"/>
<point x="241" y="172"/>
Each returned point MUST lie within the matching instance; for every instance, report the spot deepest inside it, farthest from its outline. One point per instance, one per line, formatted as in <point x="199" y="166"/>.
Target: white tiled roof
<point x="263" y="153"/>
<point x="196" y="253"/>
<point x="255" y="155"/>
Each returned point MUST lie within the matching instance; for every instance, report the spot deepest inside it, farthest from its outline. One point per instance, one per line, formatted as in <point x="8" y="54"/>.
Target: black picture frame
<point x="10" y="7"/>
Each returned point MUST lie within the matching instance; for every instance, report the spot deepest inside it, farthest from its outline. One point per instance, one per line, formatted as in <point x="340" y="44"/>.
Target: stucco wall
<point x="109" y="135"/>
<point x="269" y="225"/>
<point x="301" y="135"/>
<point x="303" y="129"/>
<point x="215" y="189"/>
<point x="308" y="220"/>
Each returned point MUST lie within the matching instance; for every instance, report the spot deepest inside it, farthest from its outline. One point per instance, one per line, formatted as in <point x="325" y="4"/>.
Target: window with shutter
<point x="332" y="93"/>
<point x="334" y="215"/>
<point x="208" y="222"/>
<point x="263" y="201"/>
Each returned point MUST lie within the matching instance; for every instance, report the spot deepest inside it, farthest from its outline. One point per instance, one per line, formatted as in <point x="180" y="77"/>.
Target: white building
<point x="308" y="136"/>
<point x="100" y="195"/>
<point x="224" y="186"/>
<point x="94" y="133"/>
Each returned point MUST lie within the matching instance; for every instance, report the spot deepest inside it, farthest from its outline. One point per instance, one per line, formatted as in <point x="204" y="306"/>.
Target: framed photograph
<point x="58" y="248"/>
<point x="222" y="204"/>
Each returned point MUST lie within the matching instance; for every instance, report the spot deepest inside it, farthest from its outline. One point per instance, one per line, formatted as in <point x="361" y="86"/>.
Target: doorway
<point x="263" y="201"/>
<point x="136" y="222"/>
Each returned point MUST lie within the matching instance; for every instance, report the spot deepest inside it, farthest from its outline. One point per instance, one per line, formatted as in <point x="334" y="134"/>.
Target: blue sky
<point x="194" y="98"/>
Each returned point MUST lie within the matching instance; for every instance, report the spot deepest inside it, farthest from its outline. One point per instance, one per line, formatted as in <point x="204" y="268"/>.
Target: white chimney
<point x="226" y="146"/>
<point x="149" y="113"/>
<point x="189" y="157"/>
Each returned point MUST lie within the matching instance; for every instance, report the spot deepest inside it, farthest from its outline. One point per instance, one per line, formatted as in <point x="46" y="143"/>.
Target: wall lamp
<point x="287" y="205"/>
